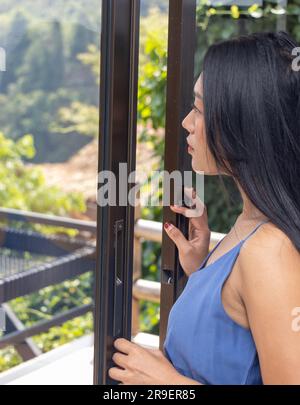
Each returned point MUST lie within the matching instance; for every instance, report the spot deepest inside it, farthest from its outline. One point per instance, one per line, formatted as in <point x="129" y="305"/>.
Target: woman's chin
<point x="198" y="168"/>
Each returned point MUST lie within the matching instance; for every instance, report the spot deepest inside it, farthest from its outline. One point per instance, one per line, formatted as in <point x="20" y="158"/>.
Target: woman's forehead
<point x="198" y="88"/>
<point x="198" y="84"/>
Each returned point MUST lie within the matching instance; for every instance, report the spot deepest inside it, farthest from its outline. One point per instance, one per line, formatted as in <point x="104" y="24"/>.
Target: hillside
<point x="80" y="172"/>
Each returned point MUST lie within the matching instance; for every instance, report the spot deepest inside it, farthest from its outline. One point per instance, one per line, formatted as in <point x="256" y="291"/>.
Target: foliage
<point x="149" y="318"/>
<point x="24" y="187"/>
<point x="43" y="74"/>
<point x="91" y="58"/>
<point x="9" y="358"/>
<point x="80" y="117"/>
<point x="83" y="118"/>
<point x="43" y="305"/>
<point x="43" y="65"/>
<point x="153" y="78"/>
<point x="33" y="113"/>
<point x="53" y="300"/>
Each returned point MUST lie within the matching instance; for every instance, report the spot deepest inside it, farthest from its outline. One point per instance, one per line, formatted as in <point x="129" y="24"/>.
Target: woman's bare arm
<point x="270" y="270"/>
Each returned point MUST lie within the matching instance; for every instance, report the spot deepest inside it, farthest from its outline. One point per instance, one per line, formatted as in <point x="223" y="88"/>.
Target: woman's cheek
<point x="200" y="140"/>
<point x="202" y="158"/>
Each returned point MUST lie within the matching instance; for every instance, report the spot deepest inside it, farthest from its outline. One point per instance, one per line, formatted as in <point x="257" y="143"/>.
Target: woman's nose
<point x="187" y="124"/>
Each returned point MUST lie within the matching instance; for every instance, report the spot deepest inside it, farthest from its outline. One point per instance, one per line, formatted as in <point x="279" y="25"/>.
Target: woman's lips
<point x="190" y="149"/>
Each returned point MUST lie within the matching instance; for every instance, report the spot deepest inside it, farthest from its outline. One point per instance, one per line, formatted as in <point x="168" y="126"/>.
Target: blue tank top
<point x="202" y="341"/>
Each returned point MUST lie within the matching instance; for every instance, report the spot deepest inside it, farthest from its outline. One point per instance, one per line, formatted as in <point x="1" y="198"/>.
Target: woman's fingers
<point x="120" y="359"/>
<point x="197" y="211"/>
<point x="124" y="345"/>
<point x="192" y="200"/>
<point x="116" y="373"/>
<point x="177" y="236"/>
<point x="189" y="193"/>
<point x="178" y="209"/>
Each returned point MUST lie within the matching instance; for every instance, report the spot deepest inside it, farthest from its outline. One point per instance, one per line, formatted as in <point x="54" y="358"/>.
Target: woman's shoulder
<point x="268" y="250"/>
<point x="270" y="277"/>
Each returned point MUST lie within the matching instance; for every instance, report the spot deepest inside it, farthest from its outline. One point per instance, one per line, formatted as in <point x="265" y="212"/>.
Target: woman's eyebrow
<point x="196" y="94"/>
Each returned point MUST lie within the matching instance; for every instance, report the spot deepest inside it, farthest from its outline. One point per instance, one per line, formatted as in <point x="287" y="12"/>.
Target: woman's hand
<point x="193" y="251"/>
<point x="139" y="366"/>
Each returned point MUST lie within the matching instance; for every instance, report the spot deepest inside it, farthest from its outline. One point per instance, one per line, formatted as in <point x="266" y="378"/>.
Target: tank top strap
<point x="233" y="250"/>
<point x="210" y="253"/>
<point x="254" y="230"/>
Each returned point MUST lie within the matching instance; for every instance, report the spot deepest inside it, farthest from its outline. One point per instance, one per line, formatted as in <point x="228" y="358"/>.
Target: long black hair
<point x="251" y="94"/>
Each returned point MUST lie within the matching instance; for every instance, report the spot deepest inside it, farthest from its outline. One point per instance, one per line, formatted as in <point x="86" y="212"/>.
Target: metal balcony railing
<point x="53" y="259"/>
<point x="30" y="261"/>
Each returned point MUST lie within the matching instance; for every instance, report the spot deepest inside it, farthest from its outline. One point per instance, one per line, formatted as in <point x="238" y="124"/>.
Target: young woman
<point x="238" y="319"/>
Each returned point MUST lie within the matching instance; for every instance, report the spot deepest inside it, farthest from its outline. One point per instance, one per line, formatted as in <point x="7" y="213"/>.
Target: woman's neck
<point x="250" y="212"/>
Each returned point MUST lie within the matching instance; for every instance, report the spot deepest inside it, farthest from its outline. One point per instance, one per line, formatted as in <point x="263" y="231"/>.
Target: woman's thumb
<point x="176" y="235"/>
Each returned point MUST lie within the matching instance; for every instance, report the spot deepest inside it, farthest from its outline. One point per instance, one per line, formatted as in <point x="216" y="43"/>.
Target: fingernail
<point x="166" y="225"/>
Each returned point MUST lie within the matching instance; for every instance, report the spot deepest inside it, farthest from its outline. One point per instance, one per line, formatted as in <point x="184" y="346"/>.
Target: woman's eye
<point x="193" y="107"/>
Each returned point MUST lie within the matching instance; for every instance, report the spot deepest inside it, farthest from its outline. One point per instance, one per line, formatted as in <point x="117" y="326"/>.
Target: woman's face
<point x="202" y="159"/>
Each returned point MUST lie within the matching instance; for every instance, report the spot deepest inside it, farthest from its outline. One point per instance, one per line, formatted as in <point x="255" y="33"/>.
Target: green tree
<point x="78" y="116"/>
<point x="24" y="187"/>
<point x="81" y="38"/>
<point x="34" y="113"/>
<point x="43" y="67"/>
<point x="56" y="67"/>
